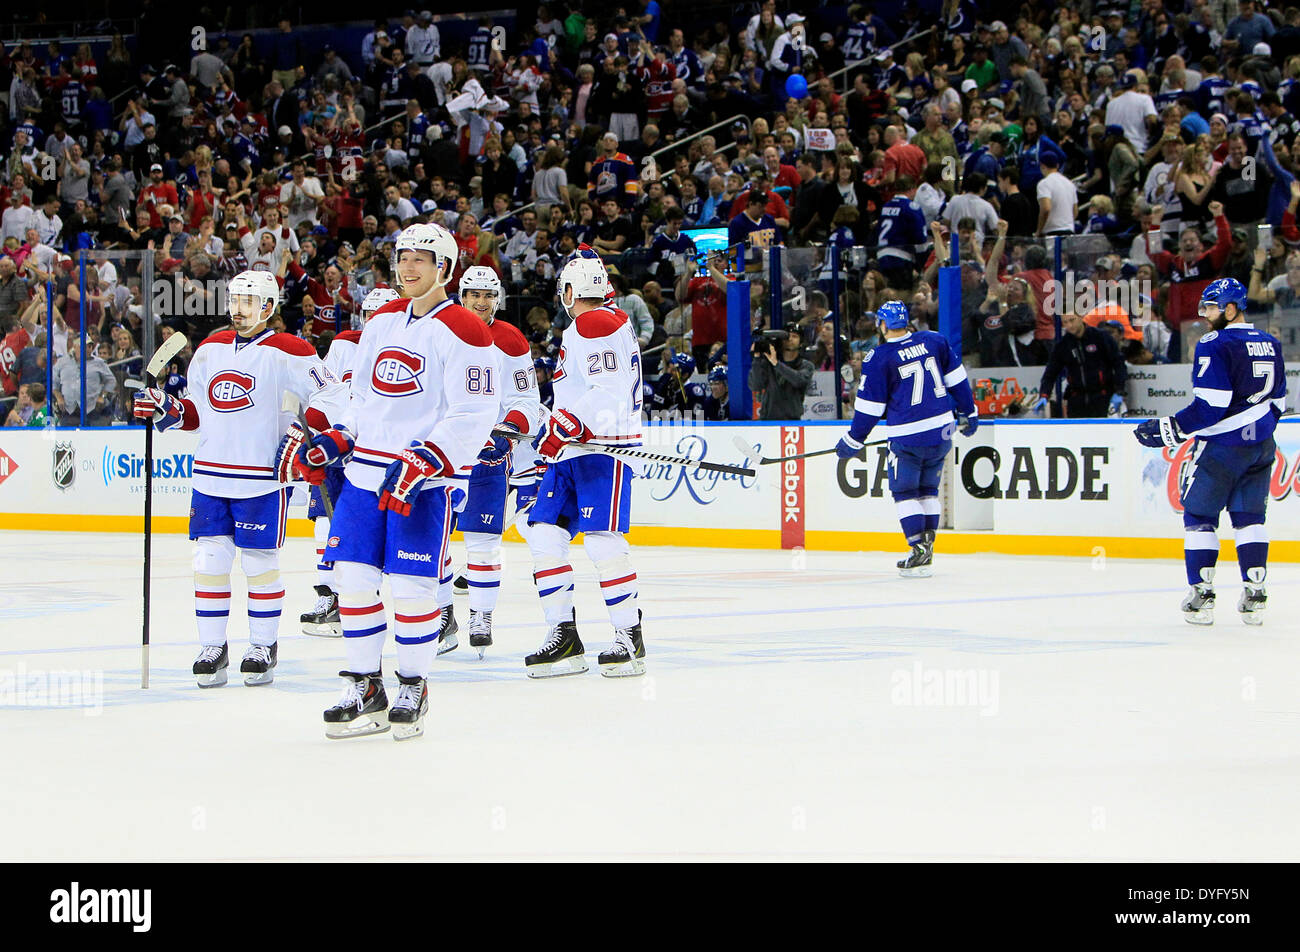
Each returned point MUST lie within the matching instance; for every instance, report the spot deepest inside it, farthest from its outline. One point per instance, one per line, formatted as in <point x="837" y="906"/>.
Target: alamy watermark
<point x="919" y="686"/>
<point x="1081" y="296"/>
<point x="24" y="687"/>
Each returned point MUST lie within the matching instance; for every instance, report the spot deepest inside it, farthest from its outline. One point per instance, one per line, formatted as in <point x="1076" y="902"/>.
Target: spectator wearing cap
<point x="829" y="55"/>
<point x="423" y="43"/>
<point x="982" y="69"/>
<point x="774" y="206"/>
<point x="1004" y="47"/>
<point x="790" y="54"/>
<point x="333" y="65"/>
<point x="155" y="194"/>
<point x="987" y="157"/>
<point x="176" y="102"/>
<point x="176" y="239"/>
<point x="1132" y="110"/>
<point x="1248" y="28"/>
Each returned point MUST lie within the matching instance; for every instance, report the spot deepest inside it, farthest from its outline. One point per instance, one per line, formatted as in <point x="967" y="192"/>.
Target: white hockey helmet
<point x="259" y="284"/>
<point x="482" y="278"/>
<point x="426" y="236"/>
<point x="375" y="300"/>
<point x="585" y="277"/>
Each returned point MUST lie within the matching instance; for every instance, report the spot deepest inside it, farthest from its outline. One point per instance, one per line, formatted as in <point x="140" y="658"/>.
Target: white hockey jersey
<point x="521" y="403"/>
<point x="342" y="353"/>
<point x="598" y="376"/>
<point x="236" y="389"/>
<point x="435" y="378"/>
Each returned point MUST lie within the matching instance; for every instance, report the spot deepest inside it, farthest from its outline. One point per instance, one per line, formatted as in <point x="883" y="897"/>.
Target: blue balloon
<point x="796" y="87"/>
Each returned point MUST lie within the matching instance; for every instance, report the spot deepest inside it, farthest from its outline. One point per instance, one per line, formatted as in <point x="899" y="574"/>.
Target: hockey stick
<point x="639" y="454"/>
<point x="160" y="359"/>
<point x="766" y="460"/>
<point x="291" y="404"/>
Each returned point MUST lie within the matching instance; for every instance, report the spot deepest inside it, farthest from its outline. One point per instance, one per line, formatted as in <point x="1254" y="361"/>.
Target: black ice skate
<point x="409" y="707"/>
<point x="623" y="659"/>
<point x="323" y="619"/>
<point x="1253" y="599"/>
<point x="361" y="710"/>
<point x="561" y="655"/>
<point x="920" y="563"/>
<point x="211" y="665"/>
<point x="258" y="666"/>
<point x="447" y="633"/>
<point x="480" y="631"/>
<point x="461" y="585"/>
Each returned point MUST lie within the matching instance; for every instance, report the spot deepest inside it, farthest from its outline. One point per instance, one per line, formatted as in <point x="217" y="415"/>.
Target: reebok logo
<point x="415" y="556"/>
<point x="75" y="905"/>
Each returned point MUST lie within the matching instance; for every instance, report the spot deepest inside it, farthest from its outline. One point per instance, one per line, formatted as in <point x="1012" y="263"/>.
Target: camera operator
<point x="780" y="384"/>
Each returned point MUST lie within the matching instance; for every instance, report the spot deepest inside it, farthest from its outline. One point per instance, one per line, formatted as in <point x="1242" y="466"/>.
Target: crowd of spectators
<point x="1158" y="134"/>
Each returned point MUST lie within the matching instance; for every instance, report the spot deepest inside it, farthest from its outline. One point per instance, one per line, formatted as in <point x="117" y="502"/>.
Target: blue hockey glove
<point x="159" y="406"/>
<point x="848" y="447"/>
<point x="497" y="449"/>
<point x="407" y="474"/>
<point x="1117" y="407"/>
<point x="1161" y="432"/>
<point x="967" y="425"/>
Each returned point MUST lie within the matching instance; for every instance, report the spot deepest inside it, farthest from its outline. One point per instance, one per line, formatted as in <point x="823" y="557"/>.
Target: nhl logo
<point x="64" y="467"/>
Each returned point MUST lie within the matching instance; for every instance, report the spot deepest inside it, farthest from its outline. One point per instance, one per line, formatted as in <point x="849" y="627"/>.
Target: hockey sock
<point x="552" y="572"/>
<point x="324" y="570"/>
<point x="444" y="582"/>
<point x="1200" y="545"/>
<point x="483" y="570"/>
<point x="911" y="516"/>
<point x="609" y="552"/>
<point x="416" y="619"/>
<point x="362" y="615"/>
<point x="265" y="594"/>
<point x="930" y="506"/>
<point x="213" y="557"/>
<point x="1252" y="544"/>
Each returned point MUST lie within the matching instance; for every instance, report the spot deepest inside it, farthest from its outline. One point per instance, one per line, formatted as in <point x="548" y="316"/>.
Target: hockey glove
<point x="497" y="449"/>
<point x="287" y="466"/>
<point x="561" y="428"/>
<point x="1117" y="407"/>
<point x="848" y="447"/>
<point x="159" y="406"/>
<point x="328" y="447"/>
<point x="967" y="425"/>
<point x="1161" y="432"/>
<point x="407" y="474"/>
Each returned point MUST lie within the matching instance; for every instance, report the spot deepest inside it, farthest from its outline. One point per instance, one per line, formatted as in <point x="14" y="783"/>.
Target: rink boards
<point x="1029" y="487"/>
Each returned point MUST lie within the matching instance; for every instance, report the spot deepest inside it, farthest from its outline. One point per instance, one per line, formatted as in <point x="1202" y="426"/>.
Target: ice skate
<point x="1198" y="606"/>
<point x="480" y="631"/>
<point x="623" y="659"/>
<point x="447" y="633"/>
<point x="258" y="666"/>
<point x="212" y="665"/>
<point x="1253" y="599"/>
<point x="561" y="654"/>
<point x="460" y="586"/>
<point x="323" y="619"/>
<point x="409" y="707"/>
<point x="920" y="563"/>
<point x="363" y="708"/>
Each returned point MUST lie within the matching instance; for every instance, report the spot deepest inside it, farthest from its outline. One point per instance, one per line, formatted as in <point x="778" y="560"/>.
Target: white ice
<point x="795" y="706"/>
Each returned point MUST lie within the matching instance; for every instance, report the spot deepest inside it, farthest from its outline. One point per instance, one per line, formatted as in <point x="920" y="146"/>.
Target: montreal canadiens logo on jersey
<point x="231" y="390"/>
<point x="397" y="372"/>
<point x="559" y="366"/>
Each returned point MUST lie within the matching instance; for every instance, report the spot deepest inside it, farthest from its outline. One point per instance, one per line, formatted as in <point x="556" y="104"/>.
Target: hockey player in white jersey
<point x="482" y="516"/>
<point x="323" y="619"/>
<point x="240" y="500"/>
<point x="425" y="389"/>
<point x="598" y="393"/>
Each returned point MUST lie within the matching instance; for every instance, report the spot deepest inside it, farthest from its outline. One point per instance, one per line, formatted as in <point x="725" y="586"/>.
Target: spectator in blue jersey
<point x="717" y="405"/>
<point x="754" y="228"/>
<point x="914" y="382"/>
<point x="1033" y="147"/>
<point x="1238" y="395"/>
<point x="674" y="394"/>
<point x="901" y="236"/>
<point x="670" y="246"/>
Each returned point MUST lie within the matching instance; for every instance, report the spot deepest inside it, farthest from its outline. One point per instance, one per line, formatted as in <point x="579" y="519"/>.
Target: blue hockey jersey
<point x="902" y="229"/>
<point x="1238" y="387"/>
<point x="913" y="383"/>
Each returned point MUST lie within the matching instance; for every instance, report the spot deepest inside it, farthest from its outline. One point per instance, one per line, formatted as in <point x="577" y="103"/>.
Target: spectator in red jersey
<point x="901" y="158"/>
<point x="156" y="193"/>
<point x="780" y="176"/>
<point x="776" y="205"/>
<point x="331" y="300"/>
<point x="1192" y="268"/>
<point x="706" y="296"/>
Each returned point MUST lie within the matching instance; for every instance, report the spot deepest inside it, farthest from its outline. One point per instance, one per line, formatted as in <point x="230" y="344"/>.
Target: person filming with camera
<point x="780" y="379"/>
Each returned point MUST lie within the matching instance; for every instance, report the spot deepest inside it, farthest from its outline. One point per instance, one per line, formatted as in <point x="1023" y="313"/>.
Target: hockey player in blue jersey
<point x="1238" y="394"/>
<point x="914" y="381"/>
<point x="674" y="394"/>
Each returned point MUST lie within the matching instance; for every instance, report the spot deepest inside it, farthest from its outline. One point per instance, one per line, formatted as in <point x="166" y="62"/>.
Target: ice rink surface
<point x="811" y="706"/>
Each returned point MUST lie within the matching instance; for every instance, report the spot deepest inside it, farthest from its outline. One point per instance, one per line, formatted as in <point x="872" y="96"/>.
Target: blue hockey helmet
<point x="545" y="363"/>
<point x="1222" y="292"/>
<point x="893" y="314"/>
<point x="718" y="373"/>
<point x="684" y="363"/>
